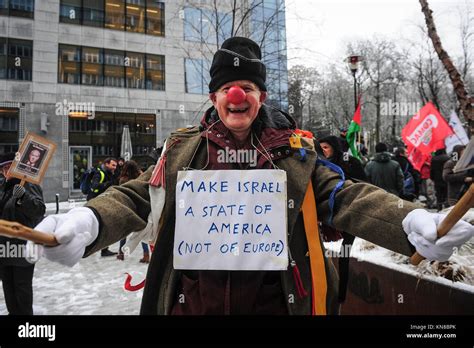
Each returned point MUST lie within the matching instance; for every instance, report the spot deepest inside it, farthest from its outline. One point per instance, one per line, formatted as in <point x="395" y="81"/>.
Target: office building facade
<point x="79" y="71"/>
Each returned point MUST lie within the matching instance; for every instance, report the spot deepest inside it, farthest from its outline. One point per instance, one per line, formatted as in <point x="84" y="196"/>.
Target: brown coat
<point x="361" y="209"/>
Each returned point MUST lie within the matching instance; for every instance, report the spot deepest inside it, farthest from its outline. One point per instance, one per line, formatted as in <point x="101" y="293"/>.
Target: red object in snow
<point x="128" y="284"/>
<point x="236" y="95"/>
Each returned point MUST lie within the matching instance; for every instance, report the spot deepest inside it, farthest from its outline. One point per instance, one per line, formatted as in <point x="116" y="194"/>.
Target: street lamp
<point x="353" y="62"/>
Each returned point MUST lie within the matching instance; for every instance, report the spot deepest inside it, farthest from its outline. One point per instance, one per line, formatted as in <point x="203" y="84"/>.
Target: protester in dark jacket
<point x="383" y="172"/>
<point x="455" y="181"/>
<point x="407" y="169"/>
<point x="436" y="174"/>
<point x="103" y="178"/>
<point x="349" y="164"/>
<point x="23" y="204"/>
<point x="353" y="170"/>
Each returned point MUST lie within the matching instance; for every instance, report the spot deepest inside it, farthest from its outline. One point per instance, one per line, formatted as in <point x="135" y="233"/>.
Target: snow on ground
<point x="93" y="286"/>
<point x="461" y="261"/>
<point x="366" y="251"/>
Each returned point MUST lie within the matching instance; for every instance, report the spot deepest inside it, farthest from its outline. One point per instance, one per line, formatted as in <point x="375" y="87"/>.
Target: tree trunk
<point x="465" y="102"/>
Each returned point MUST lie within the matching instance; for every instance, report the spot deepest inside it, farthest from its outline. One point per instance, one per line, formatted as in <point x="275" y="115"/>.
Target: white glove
<point x="73" y="231"/>
<point x="421" y="225"/>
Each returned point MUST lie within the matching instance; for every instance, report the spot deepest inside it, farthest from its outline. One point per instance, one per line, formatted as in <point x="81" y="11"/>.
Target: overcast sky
<point x="318" y="30"/>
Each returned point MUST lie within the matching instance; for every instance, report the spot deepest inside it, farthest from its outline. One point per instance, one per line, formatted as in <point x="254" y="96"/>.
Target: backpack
<point x="408" y="182"/>
<point x="86" y="180"/>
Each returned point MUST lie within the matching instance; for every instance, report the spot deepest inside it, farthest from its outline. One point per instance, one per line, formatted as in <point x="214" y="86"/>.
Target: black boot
<point x="106" y="252"/>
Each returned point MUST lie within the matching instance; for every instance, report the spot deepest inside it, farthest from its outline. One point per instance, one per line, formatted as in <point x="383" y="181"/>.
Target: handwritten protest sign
<point x="231" y="220"/>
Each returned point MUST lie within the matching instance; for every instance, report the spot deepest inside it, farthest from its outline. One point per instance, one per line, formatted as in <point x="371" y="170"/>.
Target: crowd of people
<point x="435" y="184"/>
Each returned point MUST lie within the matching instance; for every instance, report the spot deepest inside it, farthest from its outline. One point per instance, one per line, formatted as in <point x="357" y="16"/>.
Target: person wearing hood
<point x="239" y="119"/>
<point x="354" y="171"/>
<point x="349" y="164"/>
<point x="384" y="172"/>
<point x="23" y="204"/>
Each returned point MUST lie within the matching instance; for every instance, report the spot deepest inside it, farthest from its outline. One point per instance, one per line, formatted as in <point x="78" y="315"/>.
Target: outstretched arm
<point x="121" y="210"/>
<point x="364" y="210"/>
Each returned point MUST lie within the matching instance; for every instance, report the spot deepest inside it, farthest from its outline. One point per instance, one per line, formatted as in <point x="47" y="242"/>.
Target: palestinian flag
<point x="351" y="135"/>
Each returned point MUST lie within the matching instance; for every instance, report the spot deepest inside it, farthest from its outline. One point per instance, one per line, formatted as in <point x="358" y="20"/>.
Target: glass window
<point x="114" y="70"/>
<point x="208" y="26"/>
<point x="93" y="13"/>
<point x="22" y="8"/>
<point x="135" y="18"/>
<point x="104" y="134"/>
<point x="194" y="76"/>
<point x="20" y="62"/>
<point x="8" y="130"/>
<point x="192" y="24"/>
<point x="3" y="58"/>
<point x="155" y="72"/>
<point x="225" y="27"/>
<point x="135" y="70"/>
<point x="272" y="4"/>
<point x="155" y="13"/>
<point x="69" y="64"/>
<point x="269" y="15"/>
<point x="4" y="7"/>
<point x="92" y="66"/>
<point x="143" y="137"/>
<point x="114" y="14"/>
<point x="70" y="11"/>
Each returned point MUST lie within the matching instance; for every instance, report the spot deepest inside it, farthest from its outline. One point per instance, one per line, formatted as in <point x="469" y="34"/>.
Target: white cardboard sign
<point x="231" y="220"/>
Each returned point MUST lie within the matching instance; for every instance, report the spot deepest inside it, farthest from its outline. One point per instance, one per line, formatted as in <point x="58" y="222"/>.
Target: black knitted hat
<point x="239" y="58"/>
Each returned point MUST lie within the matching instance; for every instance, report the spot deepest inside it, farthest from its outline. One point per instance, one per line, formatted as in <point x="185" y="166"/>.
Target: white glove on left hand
<point x="421" y="228"/>
<point x="74" y="231"/>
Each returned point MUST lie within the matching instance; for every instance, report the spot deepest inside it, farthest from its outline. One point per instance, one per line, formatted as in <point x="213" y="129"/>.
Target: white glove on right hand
<point x="73" y="231"/>
<point x="420" y="227"/>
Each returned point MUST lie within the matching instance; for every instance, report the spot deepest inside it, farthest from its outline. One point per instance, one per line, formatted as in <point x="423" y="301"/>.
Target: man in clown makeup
<point x="240" y="120"/>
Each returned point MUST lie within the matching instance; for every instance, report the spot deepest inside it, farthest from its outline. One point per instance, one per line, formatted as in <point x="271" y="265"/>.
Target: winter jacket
<point x="385" y="173"/>
<point x="436" y="171"/>
<point x="28" y="210"/>
<point x="404" y="164"/>
<point x="360" y="209"/>
<point x="99" y="185"/>
<point x="455" y="181"/>
<point x="351" y="166"/>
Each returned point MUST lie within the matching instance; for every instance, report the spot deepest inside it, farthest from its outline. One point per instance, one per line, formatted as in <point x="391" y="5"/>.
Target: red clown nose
<point x="236" y="95"/>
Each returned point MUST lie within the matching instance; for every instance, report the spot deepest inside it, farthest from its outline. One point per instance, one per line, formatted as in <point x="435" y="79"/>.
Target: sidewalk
<point x="64" y="207"/>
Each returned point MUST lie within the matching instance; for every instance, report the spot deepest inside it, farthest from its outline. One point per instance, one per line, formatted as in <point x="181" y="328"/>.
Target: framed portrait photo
<point x="32" y="159"/>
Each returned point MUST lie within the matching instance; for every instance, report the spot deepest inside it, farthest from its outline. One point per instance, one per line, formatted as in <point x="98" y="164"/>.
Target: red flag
<point x="417" y="158"/>
<point x="426" y="131"/>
